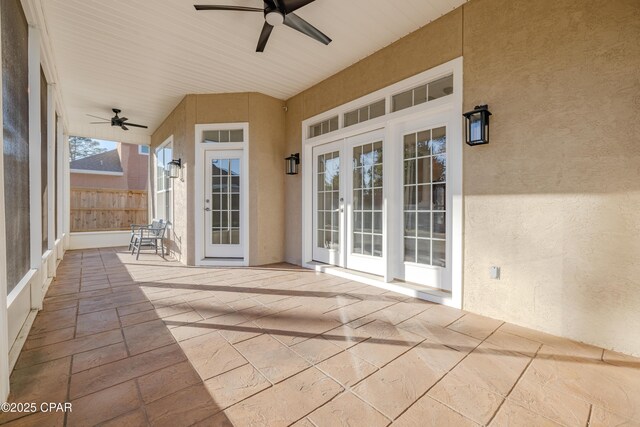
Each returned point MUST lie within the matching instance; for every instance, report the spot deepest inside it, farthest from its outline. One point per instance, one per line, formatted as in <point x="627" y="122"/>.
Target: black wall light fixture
<point x="292" y="164"/>
<point x="478" y="125"/>
<point x="175" y="166"/>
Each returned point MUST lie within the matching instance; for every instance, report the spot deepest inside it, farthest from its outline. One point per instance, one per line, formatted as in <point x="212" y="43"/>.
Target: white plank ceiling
<point x="144" y="56"/>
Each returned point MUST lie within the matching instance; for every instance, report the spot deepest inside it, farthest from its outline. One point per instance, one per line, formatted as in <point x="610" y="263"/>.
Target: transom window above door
<point x="423" y="93"/>
<point x="323" y="127"/>
<point x="223" y="135"/>
<point x="405" y="99"/>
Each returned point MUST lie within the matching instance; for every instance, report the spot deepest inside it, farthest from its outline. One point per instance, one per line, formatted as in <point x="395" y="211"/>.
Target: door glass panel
<point x="225" y="197"/>
<point x="367" y="199"/>
<point x="328" y="206"/>
<point x="425" y="170"/>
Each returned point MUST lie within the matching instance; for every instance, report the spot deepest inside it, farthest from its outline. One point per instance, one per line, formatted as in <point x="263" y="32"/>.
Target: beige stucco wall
<point x="175" y="124"/>
<point x="265" y="116"/>
<point x="554" y="199"/>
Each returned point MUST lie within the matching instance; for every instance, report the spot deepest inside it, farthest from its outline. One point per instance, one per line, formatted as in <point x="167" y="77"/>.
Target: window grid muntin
<point x="325" y="126"/>
<point x="362" y="114"/>
<point x="368" y="199"/>
<point x="225" y="201"/>
<point x="328" y="201"/>
<point x="164" y="185"/>
<point x="221" y="136"/>
<point x="423" y="93"/>
<point x="420" y="235"/>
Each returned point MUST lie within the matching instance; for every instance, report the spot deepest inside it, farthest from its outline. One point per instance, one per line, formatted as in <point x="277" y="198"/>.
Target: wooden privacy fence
<point x="99" y="209"/>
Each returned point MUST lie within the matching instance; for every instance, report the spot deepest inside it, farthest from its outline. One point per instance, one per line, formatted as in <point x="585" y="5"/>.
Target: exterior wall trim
<point x="4" y="331"/>
<point x="34" y="163"/>
<point x="51" y="170"/>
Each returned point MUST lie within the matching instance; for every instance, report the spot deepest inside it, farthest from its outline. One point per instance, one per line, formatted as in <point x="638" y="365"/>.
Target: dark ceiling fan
<point x="277" y="12"/>
<point x="116" y="121"/>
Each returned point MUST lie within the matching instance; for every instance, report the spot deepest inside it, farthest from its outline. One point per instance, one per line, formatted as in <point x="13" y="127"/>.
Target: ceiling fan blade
<point x="293" y="5"/>
<point x="124" y="127"/>
<point x="99" y="123"/>
<point x="124" y="119"/>
<point x="234" y="8"/>
<point x="135" y="125"/>
<point x="264" y="36"/>
<point x="101" y="118"/>
<point x="294" y="21"/>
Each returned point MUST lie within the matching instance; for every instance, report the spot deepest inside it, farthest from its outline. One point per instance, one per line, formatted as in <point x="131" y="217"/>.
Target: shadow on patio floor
<point x="152" y="342"/>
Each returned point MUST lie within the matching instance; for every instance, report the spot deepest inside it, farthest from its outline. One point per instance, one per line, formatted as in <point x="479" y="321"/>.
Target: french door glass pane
<point x="328" y="201"/>
<point x="225" y="198"/>
<point x="425" y="170"/>
<point x="367" y="199"/>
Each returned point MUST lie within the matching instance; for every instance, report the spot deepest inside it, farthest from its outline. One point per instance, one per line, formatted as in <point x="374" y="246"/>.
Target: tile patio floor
<point x="155" y="343"/>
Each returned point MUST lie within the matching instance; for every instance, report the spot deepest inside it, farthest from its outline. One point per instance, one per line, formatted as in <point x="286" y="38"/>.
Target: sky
<point x="107" y="145"/>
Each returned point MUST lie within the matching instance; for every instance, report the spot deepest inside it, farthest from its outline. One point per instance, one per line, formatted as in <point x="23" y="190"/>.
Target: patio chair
<point x="151" y="237"/>
<point x="135" y="227"/>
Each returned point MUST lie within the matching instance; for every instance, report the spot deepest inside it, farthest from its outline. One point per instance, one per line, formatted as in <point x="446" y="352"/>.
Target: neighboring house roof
<point x="109" y="161"/>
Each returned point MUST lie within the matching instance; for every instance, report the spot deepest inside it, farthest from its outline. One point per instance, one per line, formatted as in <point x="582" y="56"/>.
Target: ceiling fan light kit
<point x="274" y="18"/>
<point x="276" y="13"/>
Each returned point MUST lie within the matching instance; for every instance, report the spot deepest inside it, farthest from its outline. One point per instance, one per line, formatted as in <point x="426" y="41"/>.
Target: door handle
<point x="207" y="209"/>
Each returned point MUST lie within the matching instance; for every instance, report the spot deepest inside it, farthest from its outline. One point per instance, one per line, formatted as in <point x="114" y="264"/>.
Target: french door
<point x="348" y="207"/>
<point x="365" y="207"/>
<point x="224" y="207"/>
<point x="401" y="235"/>
<point x="328" y="210"/>
<point x="422" y="212"/>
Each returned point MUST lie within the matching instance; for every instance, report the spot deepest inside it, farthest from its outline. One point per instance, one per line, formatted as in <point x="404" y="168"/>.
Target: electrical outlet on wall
<point x="494" y="272"/>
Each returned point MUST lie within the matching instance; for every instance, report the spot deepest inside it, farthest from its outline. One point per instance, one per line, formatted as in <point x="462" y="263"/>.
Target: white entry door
<point x="348" y="206"/>
<point x="223" y="204"/>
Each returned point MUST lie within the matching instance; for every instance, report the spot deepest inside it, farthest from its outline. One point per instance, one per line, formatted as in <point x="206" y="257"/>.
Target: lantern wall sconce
<point x="477" y="125"/>
<point x="292" y="164"/>
<point x="175" y="166"/>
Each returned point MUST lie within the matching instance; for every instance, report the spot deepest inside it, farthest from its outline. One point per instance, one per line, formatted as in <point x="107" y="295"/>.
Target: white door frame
<point x="4" y="331"/>
<point x="450" y="105"/>
<point x="199" y="205"/>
